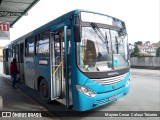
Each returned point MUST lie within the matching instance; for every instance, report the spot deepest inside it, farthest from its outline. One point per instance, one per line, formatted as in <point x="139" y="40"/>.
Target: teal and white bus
<point x="79" y="59"/>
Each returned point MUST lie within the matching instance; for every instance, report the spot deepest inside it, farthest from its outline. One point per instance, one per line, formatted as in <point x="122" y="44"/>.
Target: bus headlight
<point x="85" y="91"/>
<point x="127" y="84"/>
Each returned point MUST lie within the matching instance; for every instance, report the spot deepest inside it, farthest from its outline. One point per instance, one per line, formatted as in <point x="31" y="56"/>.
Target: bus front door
<point x="56" y="65"/>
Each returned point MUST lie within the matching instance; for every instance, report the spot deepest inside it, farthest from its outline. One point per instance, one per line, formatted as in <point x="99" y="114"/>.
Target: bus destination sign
<point x="4" y="30"/>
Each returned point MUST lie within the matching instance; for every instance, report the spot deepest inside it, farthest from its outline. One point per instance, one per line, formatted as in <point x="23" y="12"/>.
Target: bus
<point x="79" y="59"/>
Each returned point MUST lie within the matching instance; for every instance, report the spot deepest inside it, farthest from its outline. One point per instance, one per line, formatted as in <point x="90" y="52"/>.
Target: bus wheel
<point x="44" y="91"/>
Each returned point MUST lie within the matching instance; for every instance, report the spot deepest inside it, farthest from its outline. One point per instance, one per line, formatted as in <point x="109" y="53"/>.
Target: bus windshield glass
<point x="101" y="49"/>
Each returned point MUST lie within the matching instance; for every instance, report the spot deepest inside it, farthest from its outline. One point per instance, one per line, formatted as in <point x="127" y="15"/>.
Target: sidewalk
<point x="15" y="100"/>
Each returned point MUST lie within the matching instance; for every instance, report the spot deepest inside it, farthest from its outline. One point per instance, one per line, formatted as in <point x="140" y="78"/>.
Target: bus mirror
<point x="77" y="33"/>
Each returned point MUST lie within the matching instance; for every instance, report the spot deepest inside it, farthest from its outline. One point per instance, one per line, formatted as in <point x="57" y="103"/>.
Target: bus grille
<point x="111" y="80"/>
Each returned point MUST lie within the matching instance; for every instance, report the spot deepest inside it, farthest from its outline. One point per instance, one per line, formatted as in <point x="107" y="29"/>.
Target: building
<point x="149" y="48"/>
<point x="1" y="53"/>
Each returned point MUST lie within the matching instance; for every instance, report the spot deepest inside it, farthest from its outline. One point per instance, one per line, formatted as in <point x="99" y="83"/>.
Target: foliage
<point x="135" y="52"/>
<point x="138" y="43"/>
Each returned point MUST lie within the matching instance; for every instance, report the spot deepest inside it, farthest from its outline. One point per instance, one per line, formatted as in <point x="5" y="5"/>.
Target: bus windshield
<point x="101" y="49"/>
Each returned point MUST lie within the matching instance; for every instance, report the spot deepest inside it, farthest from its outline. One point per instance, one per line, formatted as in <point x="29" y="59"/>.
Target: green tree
<point x="136" y="49"/>
<point x="138" y="43"/>
<point x="136" y="52"/>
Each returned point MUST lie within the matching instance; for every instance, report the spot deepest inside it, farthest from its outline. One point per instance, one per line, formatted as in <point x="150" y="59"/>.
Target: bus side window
<point x="10" y="53"/>
<point x="21" y="52"/>
<point x="42" y="43"/>
<point x="29" y="47"/>
<point x="16" y="52"/>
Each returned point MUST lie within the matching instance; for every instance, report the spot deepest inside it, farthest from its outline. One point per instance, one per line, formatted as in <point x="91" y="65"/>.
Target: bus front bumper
<point x="87" y="103"/>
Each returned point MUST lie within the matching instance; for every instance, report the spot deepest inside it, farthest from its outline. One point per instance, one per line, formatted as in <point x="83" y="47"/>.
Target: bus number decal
<point x="43" y="62"/>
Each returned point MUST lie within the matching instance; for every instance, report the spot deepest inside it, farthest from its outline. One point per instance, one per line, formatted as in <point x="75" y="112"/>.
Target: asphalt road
<point x="144" y="95"/>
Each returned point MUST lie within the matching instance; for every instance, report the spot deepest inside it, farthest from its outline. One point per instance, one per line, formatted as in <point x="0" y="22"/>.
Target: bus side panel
<point x="21" y="75"/>
<point x="42" y="67"/>
<point x="4" y="67"/>
<point x="8" y="65"/>
<point x="29" y="71"/>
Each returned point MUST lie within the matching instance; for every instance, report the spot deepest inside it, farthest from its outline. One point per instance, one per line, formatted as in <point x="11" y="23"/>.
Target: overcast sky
<point x="142" y="17"/>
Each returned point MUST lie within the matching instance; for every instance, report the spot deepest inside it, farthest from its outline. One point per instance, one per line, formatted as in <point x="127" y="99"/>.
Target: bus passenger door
<point x="56" y="65"/>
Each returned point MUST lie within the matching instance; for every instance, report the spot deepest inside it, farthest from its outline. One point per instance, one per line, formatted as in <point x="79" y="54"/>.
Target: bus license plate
<point x="113" y="97"/>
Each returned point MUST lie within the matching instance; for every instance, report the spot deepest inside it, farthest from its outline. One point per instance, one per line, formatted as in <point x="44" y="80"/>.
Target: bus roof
<point x="54" y="22"/>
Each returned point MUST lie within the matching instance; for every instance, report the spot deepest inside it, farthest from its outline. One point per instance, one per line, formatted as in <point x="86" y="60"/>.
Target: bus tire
<point x="44" y="91"/>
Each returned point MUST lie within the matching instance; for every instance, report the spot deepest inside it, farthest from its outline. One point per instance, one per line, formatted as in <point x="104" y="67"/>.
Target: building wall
<point x="150" y="62"/>
<point x="149" y="48"/>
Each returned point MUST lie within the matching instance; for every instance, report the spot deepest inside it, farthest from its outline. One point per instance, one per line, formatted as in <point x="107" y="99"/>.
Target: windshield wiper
<point x="102" y="37"/>
<point x="98" y="32"/>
